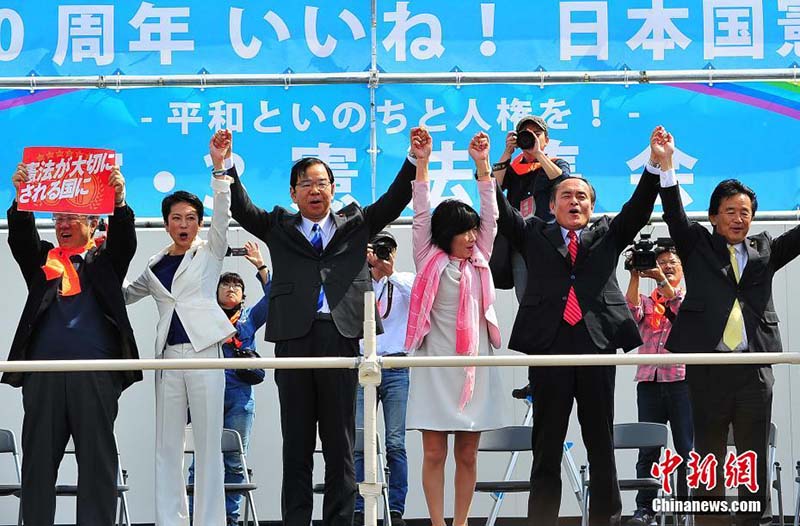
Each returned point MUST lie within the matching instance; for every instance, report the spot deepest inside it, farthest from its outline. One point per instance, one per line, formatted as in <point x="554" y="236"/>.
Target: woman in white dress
<point x="452" y="313"/>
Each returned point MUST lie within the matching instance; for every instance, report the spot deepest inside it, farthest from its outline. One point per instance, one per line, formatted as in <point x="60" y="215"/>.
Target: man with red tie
<point x="572" y="304"/>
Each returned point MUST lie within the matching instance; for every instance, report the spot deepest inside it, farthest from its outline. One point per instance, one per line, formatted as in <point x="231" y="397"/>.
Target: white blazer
<point x="194" y="287"/>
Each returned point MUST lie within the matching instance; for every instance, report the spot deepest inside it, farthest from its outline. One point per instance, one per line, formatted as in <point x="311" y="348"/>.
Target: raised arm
<point x="421" y="146"/>
<point x="390" y="205"/>
<point x="509" y="221"/>
<point x="252" y="218"/>
<point x="632" y="295"/>
<point x="785" y="248"/>
<point x="120" y="244"/>
<point x="680" y="229"/>
<point x="220" y="150"/>
<point x="636" y="212"/>
<point x="29" y="251"/>
<point x="479" y="149"/>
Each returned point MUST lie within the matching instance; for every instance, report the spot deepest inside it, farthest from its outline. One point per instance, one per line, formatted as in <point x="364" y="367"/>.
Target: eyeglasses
<point x="321" y="185"/>
<point x="70" y="219"/>
<point x="232" y="286"/>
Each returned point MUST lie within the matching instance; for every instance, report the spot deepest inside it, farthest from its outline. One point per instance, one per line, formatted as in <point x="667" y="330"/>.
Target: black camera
<point x="236" y="251"/>
<point x="382" y="249"/>
<point x="642" y="256"/>
<point x="526" y="139"/>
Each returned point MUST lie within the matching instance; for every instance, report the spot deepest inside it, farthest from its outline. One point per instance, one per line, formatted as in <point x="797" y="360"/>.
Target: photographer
<point x="662" y="393"/>
<point x="528" y="180"/>
<point x="392" y="293"/>
<point x="240" y="410"/>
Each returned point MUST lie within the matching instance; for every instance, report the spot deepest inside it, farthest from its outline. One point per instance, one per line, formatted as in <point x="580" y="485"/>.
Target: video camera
<point x="642" y="256"/>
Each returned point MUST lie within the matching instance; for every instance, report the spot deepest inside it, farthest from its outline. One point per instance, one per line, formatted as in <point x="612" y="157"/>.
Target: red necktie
<point x="572" y="312"/>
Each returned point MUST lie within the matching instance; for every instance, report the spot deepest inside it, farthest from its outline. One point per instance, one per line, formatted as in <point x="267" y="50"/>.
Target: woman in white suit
<point x="182" y="278"/>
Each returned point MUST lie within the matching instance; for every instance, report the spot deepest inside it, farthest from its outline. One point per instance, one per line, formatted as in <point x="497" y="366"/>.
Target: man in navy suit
<point x="317" y="309"/>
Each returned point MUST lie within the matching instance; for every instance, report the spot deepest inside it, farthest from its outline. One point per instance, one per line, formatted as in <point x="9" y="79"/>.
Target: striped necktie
<point x="572" y="311"/>
<point x="316" y="242"/>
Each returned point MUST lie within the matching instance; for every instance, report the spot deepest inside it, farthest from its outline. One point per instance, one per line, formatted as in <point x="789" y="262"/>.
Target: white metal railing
<point x="369" y="374"/>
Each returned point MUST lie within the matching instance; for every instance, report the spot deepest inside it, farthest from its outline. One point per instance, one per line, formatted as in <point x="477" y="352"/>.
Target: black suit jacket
<point x="711" y="286"/>
<point x="299" y="271"/>
<point x="551" y="274"/>
<point x="105" y="267"/>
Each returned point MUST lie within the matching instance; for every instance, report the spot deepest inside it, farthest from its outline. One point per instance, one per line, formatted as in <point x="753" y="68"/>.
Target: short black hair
<point x="181" y="196"/>
<point x="451" y="218"/>
<point x="231" y="277"/>
<point x="730" y="188"/>
<point x="300" y="167"/>
<point x="554" y="190"/>
<point x="660" y="251"/>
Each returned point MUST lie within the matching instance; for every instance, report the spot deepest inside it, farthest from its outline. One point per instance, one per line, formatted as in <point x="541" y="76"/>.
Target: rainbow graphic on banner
<point x="15" y="98"/>
<point x="776" y="97"/>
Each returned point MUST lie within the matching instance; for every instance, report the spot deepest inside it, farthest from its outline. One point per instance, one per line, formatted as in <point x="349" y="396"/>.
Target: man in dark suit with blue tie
<point x="573" y="305"/>
<point x="316" y="309"/>
<point x="728" y="309"/>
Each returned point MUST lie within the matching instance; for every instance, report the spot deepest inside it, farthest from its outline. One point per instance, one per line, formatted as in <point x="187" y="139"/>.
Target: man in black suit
<point x="728" y="308"/>
<point x="75" y="310"/>
<point x="573" y="305"/>
<point x="317" y="309"/>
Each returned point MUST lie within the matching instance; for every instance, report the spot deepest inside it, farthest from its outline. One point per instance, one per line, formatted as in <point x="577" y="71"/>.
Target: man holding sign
<point x="74" y="311"/>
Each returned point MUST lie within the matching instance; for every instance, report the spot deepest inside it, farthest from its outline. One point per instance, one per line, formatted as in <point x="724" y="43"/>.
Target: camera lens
<point x="383" y="252"/>
<point x="525" y="140"/>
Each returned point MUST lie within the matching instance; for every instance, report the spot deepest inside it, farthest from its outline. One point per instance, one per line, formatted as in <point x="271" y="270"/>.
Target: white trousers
<point x="202" y="391"/>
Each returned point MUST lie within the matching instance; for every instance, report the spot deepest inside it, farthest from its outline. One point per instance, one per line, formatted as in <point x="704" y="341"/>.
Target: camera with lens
<point x="382" y="245"/>
<point x="526" y="139"/>
<point x="642" y="256"/>
<point x="382" y="250"/>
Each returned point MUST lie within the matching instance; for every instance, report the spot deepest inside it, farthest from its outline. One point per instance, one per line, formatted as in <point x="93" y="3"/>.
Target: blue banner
<point x="722" y="130"/>
<point x="252" y="36"/>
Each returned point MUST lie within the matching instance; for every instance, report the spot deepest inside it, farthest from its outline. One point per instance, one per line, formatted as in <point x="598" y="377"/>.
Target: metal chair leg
<point x="585" y="507"/>
<point x="797" y="503"/>
<point x="777" y="485"/>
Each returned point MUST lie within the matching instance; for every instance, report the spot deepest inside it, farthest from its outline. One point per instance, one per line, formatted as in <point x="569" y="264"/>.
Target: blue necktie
<point x="316" y="238"/>
<point x="316" y="242"/>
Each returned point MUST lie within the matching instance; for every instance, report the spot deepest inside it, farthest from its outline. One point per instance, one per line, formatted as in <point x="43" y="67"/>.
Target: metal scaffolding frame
<point x="375" y="78"/>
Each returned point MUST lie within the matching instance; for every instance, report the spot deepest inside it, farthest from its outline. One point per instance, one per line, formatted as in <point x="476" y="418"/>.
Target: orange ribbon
<point x="58" y="265"/>
<point x="233" y="340"/>
<point x="659" y="308"/>
<point x="522" y="167"/>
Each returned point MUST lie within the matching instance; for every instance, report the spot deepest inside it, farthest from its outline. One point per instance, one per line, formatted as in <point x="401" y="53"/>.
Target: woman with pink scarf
<point x="452" y="313"/>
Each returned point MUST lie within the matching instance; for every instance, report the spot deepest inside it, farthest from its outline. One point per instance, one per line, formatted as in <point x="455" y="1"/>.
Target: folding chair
<point x="71" y="490"/>
<point x="511" y="439"/>
<point x="774" y="467"/>
<point x="632" y="436"/>
<point x="319" y="489"/>
<point x="8" y="444"/>
<point x="514" y="440"/>
<point x="231" y="443"/>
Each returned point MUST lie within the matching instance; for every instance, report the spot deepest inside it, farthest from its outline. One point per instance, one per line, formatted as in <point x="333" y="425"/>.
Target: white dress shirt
<point x="327" y="228"/>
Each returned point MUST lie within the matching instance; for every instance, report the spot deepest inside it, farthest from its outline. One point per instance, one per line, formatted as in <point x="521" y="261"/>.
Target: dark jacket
<point x="299" y="271"/>
<point x="711" y="286"/>
<point x="551" y="273"/>
<point x="105" y="266"/>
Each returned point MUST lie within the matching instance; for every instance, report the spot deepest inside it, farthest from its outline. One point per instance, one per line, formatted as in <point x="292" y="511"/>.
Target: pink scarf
<point x="423" y="293"/>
